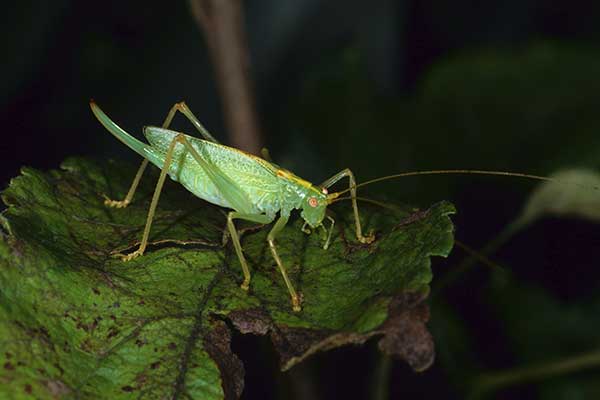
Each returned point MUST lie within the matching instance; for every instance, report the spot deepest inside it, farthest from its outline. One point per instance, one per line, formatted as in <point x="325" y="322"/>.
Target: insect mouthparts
<point x="332" y="196"/>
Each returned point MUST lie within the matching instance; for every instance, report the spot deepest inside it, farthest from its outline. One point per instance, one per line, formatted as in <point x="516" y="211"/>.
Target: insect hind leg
<point x="125" y="202"/>
<point x="180" y="138"/>
<point x="181" y="107"/>
<point x="185" y="110"/>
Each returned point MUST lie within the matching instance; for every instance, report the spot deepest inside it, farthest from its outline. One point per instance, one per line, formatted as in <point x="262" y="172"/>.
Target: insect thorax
<point x="291" y="197"/>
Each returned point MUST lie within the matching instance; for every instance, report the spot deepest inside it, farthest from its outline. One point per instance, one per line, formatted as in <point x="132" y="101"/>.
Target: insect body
<point x="255" y="189"/>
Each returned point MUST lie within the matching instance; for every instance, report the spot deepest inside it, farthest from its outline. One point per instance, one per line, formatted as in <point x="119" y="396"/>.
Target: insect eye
<point x="313" y="202"/>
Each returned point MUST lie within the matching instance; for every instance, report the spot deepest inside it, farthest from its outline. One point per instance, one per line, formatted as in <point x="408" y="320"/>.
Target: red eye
<point x="313" y="202"/>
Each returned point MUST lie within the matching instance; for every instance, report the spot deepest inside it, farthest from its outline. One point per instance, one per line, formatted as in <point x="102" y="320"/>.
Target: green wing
<point x="230" y="190"/>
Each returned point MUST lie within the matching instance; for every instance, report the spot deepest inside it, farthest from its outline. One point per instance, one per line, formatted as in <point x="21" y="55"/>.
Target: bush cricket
<point x="253" y="188"/>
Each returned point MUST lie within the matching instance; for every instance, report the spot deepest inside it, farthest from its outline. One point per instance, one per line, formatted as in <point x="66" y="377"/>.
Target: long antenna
<point x="367" y="200"/>
<point x="454" y="172"/>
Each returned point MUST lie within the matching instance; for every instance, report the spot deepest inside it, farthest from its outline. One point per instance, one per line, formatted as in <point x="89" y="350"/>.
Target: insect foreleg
<point x="340" y="175"/>
<point x="261" y="219"/>
<point x="305" y="229"/>
<point x="279" y="225"/>
<point x="328" y="240"/>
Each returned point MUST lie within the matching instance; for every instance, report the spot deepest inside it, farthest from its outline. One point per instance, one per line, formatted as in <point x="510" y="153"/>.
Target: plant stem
<point x="380" y="383"/>
<point x="488" y="382"/>
<point x="223" y="25"/>
<point x="474" y="257"/>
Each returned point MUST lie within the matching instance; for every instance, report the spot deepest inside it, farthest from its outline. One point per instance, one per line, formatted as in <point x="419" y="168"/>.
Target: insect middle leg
<point x="182" y="108"/>
<point x="279" y="225"/>
<point x="261" y="219"/>
<point x="331" y="181"/>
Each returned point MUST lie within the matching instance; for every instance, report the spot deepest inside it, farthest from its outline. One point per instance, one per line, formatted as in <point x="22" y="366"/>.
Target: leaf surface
<point x="77" y="322"/>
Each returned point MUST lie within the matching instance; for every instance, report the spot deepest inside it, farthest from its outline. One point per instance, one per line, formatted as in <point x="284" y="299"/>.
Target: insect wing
<point x="240" y="172"/>
<point x="256" y="177"/>
<point x="230" y="190"/>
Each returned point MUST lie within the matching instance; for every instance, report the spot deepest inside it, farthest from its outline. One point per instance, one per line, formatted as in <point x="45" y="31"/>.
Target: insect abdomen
<point x="250" y="177"/>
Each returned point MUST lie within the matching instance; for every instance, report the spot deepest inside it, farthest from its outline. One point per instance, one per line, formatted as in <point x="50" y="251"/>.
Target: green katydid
<point x="254" y="188"/>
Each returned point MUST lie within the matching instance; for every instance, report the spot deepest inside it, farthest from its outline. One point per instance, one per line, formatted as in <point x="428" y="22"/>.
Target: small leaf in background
<point x="77" y="322"/>
<point x="575" y="192"/>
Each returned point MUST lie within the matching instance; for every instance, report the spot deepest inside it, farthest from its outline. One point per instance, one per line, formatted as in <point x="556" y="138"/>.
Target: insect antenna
<point x="455" y="172"/>
<point x="368" y="200"/>
<point x="474" y="254"/>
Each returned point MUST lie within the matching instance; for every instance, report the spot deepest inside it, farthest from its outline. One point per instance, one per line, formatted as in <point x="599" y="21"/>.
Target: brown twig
<point x="223" y="26"/>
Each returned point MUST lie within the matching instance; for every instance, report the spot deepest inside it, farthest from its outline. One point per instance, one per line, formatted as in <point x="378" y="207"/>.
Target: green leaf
<point x="574" y="192"/>
<point x="77" y="322"/>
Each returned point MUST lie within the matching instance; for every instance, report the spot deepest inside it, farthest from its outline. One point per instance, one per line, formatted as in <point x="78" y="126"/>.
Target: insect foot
<point x="245" y="285"/>
<point x="367" y="239"/>
<point x="225" y="238"/>
<point x="131" y="256"/>
<point x="296" y="301"/>
<point x="115" y="203"/>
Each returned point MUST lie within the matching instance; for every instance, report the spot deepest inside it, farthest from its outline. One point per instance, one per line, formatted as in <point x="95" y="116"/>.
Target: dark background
<point x="383" y="87"/>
